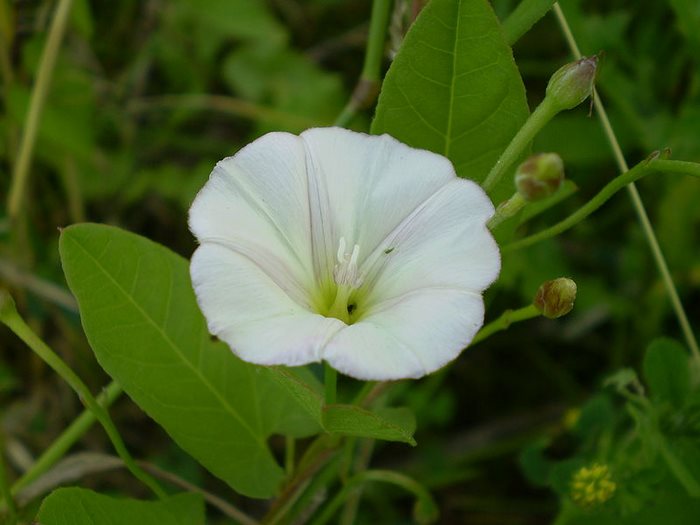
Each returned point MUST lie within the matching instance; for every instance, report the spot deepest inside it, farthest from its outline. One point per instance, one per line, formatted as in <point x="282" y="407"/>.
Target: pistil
<point x="346" y="280"/>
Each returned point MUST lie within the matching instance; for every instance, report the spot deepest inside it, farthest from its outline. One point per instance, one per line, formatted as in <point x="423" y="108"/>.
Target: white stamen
<point x="345" y="272"/>
<point x="341" y="250"/>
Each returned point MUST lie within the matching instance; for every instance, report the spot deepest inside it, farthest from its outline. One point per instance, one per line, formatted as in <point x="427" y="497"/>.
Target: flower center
<point x="346" y="280"/>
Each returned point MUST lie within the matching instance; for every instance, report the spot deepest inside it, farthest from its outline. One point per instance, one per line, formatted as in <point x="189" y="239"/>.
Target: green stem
<point x="506" y="210"/>
<point x="10" y="316"/>
<point x="289" y="454"/>
<point x="678" y="468"/>
<point x="367" y="87"/>
<point x="314" y="493"/>
<point x="385" y="476"/>
<point x="349" y="512"/>
<point x="504" y="321"/>
<point x="364" y="392"/>
<point x="67" y="439"/>
<point x="330" y="381"/>
<point x="524" y="17"/>
<point x="636" y="200"/>
<point x="222" y="505"/>
<point x="615" y="185"/>
<point x="5" y="491"/>
<point x="47" y="64"/>
<point x="317" y="455"/>
<point x="537" y="120"/>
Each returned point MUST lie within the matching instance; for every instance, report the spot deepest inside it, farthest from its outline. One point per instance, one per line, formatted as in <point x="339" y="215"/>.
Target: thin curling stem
<point x="384" y="476"/>
<point x="14" y="322"/>
<point x="636" y="200"/>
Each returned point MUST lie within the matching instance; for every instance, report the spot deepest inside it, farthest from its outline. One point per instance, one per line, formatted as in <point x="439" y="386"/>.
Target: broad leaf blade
<point x="351" y="420"/>
<point x="306" y="392"/>
<point x="454" y="89"/>
<point x="141" y="319"/>
<point x="76" y="506"/>
<point x="389" y="424"/>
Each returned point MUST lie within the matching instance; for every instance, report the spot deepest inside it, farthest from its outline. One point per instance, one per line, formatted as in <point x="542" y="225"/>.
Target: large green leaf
<point x="142" y="321"/>
<point x="74" y="506"/>
<point x="389" y="424"/>
<point x="396" y="424"/>
<point x="454" y="89"/>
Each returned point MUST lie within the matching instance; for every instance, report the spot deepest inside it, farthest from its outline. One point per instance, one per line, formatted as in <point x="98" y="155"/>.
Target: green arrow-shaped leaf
<point x="142" y="321"/>
<point x="454" y="89"/>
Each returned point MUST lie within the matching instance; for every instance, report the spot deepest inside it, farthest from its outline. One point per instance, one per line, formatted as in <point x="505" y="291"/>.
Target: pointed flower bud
<point x="592" y="486"/>
<point x="556" y="298"/>
<point x="539" y="176"/>
<point x="573" y="83"/>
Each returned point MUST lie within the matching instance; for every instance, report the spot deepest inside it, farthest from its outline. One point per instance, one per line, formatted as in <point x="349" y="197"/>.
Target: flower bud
<point x="556" y="298"/>
<point x="573" y="83"/>
<point x="539" y="176"/>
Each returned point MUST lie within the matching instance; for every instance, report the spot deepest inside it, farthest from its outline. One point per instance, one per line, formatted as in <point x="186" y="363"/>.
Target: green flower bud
<point x="539" y="176"/>
<point x="573" y="83"/>
<point x="556" y="298"/>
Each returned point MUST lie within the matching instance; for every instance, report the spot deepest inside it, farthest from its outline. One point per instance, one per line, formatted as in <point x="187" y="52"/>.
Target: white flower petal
<point x="444" y="243"/>
<point x="411" y="336"/>
<point x="287" y="215"/>
<point x="256" y="203"/>
<point x="367" y="185"/>
<point x="246" y="308"/>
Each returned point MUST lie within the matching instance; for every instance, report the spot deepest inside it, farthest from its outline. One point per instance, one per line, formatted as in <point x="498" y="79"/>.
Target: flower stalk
<point x="506" y="319"/>
<point x="568" y="87"/>
<point x="535" y="122"/>
<point x="330" y="383"/>
<point x="653" y="242"/>
<point x="506" y="210"/>
<point x="675" y="167"/>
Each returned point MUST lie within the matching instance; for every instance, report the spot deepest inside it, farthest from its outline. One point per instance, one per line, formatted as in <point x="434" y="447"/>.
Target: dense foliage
<point x="593" y="418"/>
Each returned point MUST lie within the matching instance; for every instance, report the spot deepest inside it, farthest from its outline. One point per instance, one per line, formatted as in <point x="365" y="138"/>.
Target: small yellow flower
<point x="592" y="486"/>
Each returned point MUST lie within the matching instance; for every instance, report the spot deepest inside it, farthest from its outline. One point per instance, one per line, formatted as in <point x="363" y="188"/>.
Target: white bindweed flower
<point x="344" y="247"/>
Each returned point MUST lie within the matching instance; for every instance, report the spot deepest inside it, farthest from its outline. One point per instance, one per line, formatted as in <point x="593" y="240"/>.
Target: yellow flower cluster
<point x="592" y="485"/>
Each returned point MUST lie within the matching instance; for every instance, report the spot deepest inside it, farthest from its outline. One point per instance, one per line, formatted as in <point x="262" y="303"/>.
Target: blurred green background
<point x="148" y="95"/>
